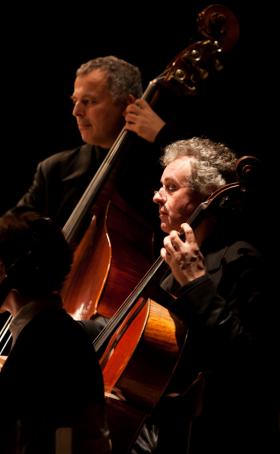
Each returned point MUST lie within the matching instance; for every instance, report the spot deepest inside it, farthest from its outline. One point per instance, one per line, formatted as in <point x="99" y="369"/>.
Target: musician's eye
<point x="170" y="187"/>
<point x="84" y="101"/>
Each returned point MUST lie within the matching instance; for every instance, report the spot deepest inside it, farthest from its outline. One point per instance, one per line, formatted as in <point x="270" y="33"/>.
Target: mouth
<point x="83" y="126"/>
<point x="162" y="214"/>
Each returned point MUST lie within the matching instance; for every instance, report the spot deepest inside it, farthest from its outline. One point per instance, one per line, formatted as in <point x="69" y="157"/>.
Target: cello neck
<point x="119" y="316"/>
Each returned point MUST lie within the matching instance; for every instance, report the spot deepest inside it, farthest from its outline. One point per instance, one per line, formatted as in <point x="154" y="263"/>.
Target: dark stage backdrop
<point x="44" y="46"/>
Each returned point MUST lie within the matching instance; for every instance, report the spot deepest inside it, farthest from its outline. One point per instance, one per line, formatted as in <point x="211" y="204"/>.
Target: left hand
<point x="141" y="119"/>
<point x="181" y="252"/>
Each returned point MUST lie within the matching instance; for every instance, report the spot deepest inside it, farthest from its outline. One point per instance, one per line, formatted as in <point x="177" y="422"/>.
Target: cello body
<point x="137" y="367"/>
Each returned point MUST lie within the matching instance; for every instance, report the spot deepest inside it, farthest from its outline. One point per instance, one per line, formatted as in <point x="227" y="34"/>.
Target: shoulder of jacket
<point x="64" y="156"/>
<point x="240" y="249"/>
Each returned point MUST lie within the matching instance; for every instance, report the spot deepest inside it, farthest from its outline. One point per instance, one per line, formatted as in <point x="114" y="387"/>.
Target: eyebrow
<point x="170" y="180"/>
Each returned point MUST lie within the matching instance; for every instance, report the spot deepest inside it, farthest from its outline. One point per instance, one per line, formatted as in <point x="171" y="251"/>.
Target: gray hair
<point x="213" y="164"/>
<point x="123" y="77"/>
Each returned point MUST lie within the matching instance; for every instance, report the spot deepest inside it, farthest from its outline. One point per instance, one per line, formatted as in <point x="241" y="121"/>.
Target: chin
<point x="164" y="228"/>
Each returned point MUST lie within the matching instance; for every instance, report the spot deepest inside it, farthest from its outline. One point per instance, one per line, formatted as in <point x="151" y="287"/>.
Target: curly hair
<point x="213" y="164"/>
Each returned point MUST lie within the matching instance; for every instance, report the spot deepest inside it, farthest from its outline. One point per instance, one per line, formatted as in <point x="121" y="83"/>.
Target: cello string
<point x="4" y="331"/>
<point x="6" y="343"/>
<point x="123" y="310"/>
<point x="5" y="327"/>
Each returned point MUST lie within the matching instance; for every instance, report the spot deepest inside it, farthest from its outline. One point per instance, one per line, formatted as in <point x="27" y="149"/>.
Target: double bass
<point x="115" y="249"/>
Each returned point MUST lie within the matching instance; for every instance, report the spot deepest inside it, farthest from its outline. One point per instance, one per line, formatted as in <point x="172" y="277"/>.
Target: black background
<point x="45" y="44"/>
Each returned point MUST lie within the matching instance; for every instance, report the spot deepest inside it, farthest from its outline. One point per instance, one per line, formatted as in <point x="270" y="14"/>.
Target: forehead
<point x="93" y="81"/>
<point x="178" y="170"/>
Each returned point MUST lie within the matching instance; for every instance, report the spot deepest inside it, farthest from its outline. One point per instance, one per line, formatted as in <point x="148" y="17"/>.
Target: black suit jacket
<point x="61" y="179"/>
<point x="233" y="326"/>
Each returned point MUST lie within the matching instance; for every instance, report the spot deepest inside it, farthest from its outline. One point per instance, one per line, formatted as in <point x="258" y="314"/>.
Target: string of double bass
<point x="97" y="181"/>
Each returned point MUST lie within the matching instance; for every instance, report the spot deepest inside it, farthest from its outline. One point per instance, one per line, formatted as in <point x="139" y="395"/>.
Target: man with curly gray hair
<point x="221" y="397"/>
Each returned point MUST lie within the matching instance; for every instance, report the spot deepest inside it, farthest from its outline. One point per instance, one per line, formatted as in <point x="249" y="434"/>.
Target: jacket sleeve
<point x="33" y="199"/>
<point x="224" y="321"/>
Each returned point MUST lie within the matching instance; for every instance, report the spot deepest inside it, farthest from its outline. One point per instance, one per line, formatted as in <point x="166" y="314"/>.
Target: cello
<point x="112" y="254"/>
<point x="136" y="374"/>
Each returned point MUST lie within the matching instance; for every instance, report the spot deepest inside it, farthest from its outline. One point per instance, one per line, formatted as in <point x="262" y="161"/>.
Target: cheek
<point x="184" y="211"/>
<point x="113" y="112"/>
<point x="176" y="215"/>
<point x="95" y="113"/>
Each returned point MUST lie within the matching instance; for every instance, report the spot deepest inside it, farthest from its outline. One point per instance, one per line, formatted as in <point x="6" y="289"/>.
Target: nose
<point x="77" y="109"/>
<point x="159" y="196"/>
